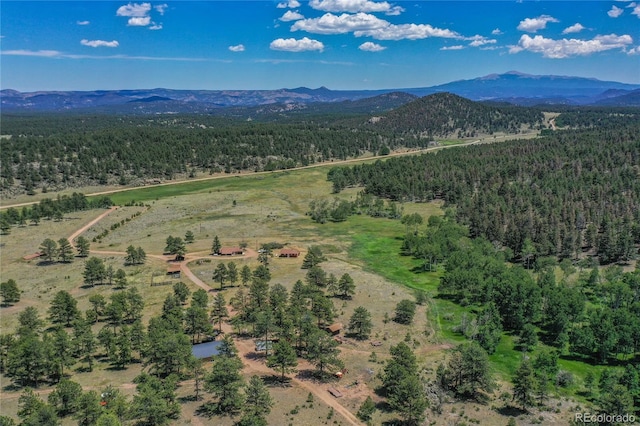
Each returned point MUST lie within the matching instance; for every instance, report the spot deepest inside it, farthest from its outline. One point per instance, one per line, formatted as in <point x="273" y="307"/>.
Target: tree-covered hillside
<point x="447" y="115"/>
<point x="567" y="192"/>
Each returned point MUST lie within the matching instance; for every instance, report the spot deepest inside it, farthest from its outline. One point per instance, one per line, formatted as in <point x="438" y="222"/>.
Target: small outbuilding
<point x="206" y="350"/>
<point x="335" y="392"/>
<point x="289" y="252"/>
<point x="32" y="256"/>
<point x="334" y="328"/>
<point x="231" y="251"/>
<point x="174" y="271"/>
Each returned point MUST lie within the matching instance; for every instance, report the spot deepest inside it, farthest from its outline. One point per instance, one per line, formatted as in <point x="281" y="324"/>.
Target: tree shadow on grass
<point x="394" y="422"/>
<point x="316" y="377"/>
<point x="116" y="368"/>
<point x="12" y="387"/>
<point x="255" y="356"/>
<point x="208" y="409"/>
<point x="188" y="398"/>
<point x="274" y="380"/>
<point x="384" y="407"/>
<point x="511" y="411"/>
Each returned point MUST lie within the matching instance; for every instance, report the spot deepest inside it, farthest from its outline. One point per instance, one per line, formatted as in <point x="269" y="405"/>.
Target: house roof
<point x="206" y="350"/>
<point x="335" y="327"/>
<point x="289" y="252"/>
<point x="172" y="269"/>
<point x="231" y="250"/>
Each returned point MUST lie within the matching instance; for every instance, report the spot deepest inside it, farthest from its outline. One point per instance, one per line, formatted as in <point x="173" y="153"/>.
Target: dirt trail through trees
<point x="245" y="348"/>
<point x="89" y="225"/>
<point x="246" y="351"/>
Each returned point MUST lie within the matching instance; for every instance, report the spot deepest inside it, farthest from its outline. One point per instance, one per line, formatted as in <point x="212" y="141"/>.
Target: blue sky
<point x="339" y="44"/>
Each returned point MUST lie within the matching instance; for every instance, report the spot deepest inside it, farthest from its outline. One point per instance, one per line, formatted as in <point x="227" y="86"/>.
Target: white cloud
<point x="407" y="32"/>
<point x="161" y="8"/>
<point x="395" y="11"/>
<point x="237" y="48"/>
<point x="155" y="27"/>
<point x="367" y="25"/>
<point x="575" y="28"/>
<point x="371" y="47"/>
<point x="636" y="11"/>
<point x="634" y="51"/>
<point x="345" y="23"/>
<point x="354" y="6"/>
<point x="134" y="10"/>
<point x="478" y="40"/>
<point x="531" y="25"/>
<point x="291" y="16"/>
<point x="294" y="45"/>
<point x="456" y="47"/>
<point x="292" y="4"/>
<point x="564" y="48"/>
<point x="41" y="53"/>
<point x="99" y="43"/>
<point x="497" y="32"/>
<point x="615" y="12"/>
<point x="139" y="21"/>
<point x="83" y="22"/>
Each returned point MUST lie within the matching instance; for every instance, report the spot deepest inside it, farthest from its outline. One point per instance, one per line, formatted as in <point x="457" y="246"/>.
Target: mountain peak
<point x="517" y="73"/>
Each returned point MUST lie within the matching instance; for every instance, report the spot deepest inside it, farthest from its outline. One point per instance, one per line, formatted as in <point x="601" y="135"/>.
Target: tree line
<point x="50" y="209"/>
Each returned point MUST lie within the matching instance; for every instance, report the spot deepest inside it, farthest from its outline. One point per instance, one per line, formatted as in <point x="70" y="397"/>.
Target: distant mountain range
<point x="512" y="87"/>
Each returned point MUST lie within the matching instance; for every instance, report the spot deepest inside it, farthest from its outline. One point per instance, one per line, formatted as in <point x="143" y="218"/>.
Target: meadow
<point x="256" y="210"/>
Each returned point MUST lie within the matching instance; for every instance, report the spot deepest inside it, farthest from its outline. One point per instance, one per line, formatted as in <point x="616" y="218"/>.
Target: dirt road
<point x="319" y="390"/>
<point x="89" y="225"/>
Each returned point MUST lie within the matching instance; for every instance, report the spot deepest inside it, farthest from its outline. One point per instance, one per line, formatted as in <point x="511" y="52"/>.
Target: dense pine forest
<point x="51" y="152"/>
<point x="70" y="151"/>
<point x="559" y="195"/>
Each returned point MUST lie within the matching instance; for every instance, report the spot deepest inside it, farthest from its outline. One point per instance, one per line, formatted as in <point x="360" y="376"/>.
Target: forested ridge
<point x="448" y="115"/>
<point x="563" y="193"/>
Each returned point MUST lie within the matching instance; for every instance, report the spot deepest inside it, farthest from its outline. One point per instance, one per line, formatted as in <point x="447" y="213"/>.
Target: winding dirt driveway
<point x="245" y="347"/>
<point x="258" y="366"/>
